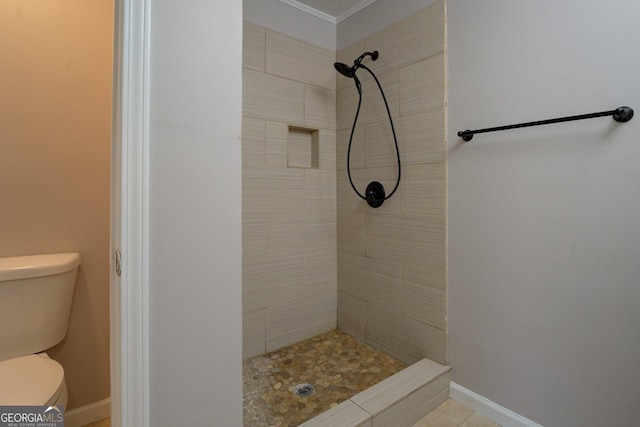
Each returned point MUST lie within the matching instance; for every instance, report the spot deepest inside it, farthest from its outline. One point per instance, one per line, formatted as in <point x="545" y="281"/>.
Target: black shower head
<point x="345" y="70"/>
<point x="350" y="72"/>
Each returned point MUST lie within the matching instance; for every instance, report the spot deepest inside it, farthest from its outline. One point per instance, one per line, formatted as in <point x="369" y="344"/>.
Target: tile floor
<point x="448" y="414"/>
<point x="337" y="365"/>
<point x="454" y="414"/>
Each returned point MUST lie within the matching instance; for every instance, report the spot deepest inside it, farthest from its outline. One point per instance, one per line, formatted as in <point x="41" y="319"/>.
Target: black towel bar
<point x="622" y="114"/>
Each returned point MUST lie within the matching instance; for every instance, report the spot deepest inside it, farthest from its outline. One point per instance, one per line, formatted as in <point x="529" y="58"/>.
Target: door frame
<point x="130" y="215"/>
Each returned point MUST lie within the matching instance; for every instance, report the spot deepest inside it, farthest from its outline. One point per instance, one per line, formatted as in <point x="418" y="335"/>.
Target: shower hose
<point x="374" y="194"/>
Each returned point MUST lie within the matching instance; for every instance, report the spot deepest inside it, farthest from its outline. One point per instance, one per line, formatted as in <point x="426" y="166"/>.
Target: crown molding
<point x="325" y="16"/>
<point x="355" y="9"/>
<point x="310" y="10"/>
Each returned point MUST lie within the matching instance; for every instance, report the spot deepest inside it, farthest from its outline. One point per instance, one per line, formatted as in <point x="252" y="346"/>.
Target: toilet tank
<point x="36" y="293"/>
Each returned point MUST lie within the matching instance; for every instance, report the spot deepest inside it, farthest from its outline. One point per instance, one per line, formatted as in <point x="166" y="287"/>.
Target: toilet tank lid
<point x="24" y="267"/>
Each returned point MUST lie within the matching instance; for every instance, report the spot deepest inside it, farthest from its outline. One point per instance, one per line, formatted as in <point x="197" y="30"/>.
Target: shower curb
<point x="399" y="401"/>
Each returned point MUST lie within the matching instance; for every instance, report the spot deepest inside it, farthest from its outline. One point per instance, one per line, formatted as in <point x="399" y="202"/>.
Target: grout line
<point x="370" y="414"/>
<point x="463" y="421"/>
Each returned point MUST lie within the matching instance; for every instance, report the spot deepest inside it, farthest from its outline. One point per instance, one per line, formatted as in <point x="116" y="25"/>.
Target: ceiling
<point x="330" y="10"/>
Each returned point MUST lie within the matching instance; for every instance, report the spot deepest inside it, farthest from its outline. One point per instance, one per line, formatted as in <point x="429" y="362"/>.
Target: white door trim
<point x="130" y="215"/>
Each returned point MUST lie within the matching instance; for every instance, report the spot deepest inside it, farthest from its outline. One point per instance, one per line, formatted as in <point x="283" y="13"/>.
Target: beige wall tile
<point x="373" y="106"/>
<point x="427" y="305"/>
<point x="320" y="190"/>
<point x="407" y="239"/>
<point x="296" y="232"/>
<point x="346" y="414"/>
<point x="346" y="107"/>
<point x="351" y="315"/>
<point x="357" y="157"/>
<point x="320" y="275"/>
<point x="395" y="389"/>
<point x="384" y="285"/>
<point x="254" y="238"/>
<point x="422" y="275"/>
<point x="327" y="141"/>
<point x="275" y="281"/>
<point x="421" y="137"/>
<point x="253" y="142"/>
<point x="402" y="337"/>
<point x="380" y="145"/>
<point x="416" y="37"/>
<point x="285" y="235"/>
<point x="351" y="233"/>
<point x="423" y="189"/>
<point x="253" y="46"/>
<point x="320" y="236"/>
<point x="352" y="274"/>
<point x="324" y="212"/>
<point x="348" y="201"/>
<point x="272" y="189"/>
<point x="432" y="341"/>
<point x="253" y="333"/>
<point x="384" y="333"/>
<point x="276" y="143"/>
<point x="300" y="232"/>
<point x="290" y="323"/>
<point x="319" y="107"/>
<point x="416" y="405"/>
<point x="272" y="98"/>
<point x="297" y="60"/>
<point x="422" y="85"/>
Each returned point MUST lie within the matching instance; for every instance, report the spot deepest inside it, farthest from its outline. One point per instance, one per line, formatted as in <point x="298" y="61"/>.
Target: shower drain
<point x="304" y="390"/>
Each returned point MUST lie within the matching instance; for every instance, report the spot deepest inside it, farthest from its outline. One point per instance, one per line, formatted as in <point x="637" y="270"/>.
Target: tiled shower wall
<point x="392" y="260"/>
<point x="289" y="190"/>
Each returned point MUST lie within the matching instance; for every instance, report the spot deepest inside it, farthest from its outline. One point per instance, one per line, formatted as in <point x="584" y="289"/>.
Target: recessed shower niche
<point x="303" y="148"/>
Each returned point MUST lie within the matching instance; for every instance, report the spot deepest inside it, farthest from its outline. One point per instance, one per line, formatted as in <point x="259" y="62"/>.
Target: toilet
<point x="36" y="293"/>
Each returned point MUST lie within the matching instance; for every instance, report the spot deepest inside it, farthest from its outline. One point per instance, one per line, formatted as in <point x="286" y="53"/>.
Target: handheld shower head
<point x="350" y="72"/>
<point x="345" y="70"/>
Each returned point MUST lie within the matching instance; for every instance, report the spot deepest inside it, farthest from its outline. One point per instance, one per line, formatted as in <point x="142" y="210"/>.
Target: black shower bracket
<point x="622" y="114"/>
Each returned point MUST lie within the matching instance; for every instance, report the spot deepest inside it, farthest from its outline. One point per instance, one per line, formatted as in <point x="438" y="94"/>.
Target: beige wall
<point x="55" y="119"/>
<point x="289" y="193"/>
<point x="544" y="238"/>
<point x="392" y="260"/>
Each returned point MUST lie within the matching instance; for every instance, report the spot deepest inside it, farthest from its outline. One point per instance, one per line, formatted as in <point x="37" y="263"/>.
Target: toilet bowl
<point x="36" y="293"/>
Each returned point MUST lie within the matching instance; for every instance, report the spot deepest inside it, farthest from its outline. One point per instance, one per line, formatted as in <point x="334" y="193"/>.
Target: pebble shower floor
<point x="334" y="364"/>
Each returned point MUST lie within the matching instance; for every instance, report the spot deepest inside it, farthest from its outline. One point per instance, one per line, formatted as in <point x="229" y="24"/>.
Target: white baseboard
<point x="489" y="409"/>
<point x="87" y="414"/>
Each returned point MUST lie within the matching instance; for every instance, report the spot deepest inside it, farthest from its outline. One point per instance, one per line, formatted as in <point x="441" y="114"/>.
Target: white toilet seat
<point x="32" y="380"/>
